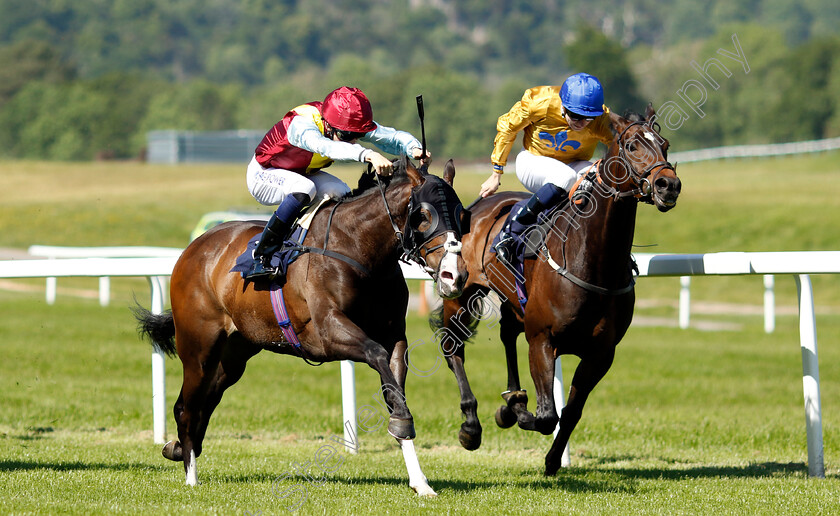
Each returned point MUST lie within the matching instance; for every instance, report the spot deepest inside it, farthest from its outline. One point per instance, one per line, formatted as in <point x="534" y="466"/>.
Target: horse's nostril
<point x="665" y="185"/>
<point x="446" y="275"/>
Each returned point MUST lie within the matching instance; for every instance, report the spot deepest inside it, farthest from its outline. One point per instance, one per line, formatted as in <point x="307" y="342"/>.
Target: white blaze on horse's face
<point x="449" y="282"/>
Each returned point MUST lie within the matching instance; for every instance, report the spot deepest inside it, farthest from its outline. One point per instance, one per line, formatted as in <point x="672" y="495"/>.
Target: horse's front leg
<point x="516" y="399"/>
<point x="588" y="373"/>
<point x="416" y="479"/>
<point x="456" y="322"/>
<point x="349" y="342"/>
<point x="541" y="359"/>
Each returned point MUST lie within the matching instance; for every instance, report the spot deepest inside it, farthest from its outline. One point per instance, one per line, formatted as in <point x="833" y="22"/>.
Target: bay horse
<point x="579" y="285"/>
<point x="346" y="303"/>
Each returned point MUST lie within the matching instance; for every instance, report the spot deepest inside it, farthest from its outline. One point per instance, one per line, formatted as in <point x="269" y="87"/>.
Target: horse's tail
<point x="158" y="328"/>
<point x="463" y="330"/>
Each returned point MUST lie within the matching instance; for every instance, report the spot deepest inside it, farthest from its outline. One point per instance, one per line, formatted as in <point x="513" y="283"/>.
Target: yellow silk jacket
<point x="540" y="114"/>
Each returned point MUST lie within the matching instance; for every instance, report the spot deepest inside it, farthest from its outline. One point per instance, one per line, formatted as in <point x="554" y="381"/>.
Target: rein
<point x="643" y="192"/>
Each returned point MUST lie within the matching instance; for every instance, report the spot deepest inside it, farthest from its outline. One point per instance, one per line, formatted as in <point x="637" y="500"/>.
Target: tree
<point x="30" y="60"/>
<point x="596" y="54"/>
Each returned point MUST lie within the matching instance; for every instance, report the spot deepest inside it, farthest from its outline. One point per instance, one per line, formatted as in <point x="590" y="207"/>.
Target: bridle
<point x="429" y="195"/>
<point x="643" y="185"/>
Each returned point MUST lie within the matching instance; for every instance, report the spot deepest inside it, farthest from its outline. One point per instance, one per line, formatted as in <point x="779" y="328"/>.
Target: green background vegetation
<point x="80" y="80"/>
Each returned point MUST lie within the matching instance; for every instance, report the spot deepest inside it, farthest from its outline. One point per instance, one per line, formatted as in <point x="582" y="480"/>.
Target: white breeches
<point x="270" y="186"/>
<point x="535" y="171"/>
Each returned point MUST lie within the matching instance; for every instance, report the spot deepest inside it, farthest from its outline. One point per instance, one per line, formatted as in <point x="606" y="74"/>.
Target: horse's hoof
<point x="173" y="451"/>
<point x="526" y="421"/>
<point x="514" y="397"/>
<point x="401" y="428"/>
<point x="469" y="441"/>
<point x="505" y="417"/>
<point x="551" y="469"/>
<point x="424" y="490"/>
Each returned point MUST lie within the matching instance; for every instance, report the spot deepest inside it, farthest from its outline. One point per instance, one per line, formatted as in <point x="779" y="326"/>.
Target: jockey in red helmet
<point x="562" y="126"/>
<point x="286" y="169"/>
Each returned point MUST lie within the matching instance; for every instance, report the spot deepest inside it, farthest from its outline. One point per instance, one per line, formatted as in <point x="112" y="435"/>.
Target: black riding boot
<point x="528" y="214"/>
<point x="276" y="231"/>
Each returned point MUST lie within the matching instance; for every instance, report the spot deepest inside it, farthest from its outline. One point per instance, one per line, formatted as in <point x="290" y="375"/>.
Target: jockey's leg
<point x="276" y="231"/>
<point x="550" y="181"/>
<point x="546" y="197"/>
<point x="272" y="186"/>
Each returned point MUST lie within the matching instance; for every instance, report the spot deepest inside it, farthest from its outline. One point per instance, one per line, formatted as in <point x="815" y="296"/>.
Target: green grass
<point x="685" y="422"/>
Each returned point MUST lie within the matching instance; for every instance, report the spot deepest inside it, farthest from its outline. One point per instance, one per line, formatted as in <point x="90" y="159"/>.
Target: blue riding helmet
<point x="583" y="94"/>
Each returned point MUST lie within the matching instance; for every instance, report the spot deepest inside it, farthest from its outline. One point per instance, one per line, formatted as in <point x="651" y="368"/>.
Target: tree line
<point x="87" y="79"/>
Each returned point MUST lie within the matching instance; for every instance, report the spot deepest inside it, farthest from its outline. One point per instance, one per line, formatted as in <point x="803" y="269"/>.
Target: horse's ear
<point x="413" y="174"/>
<point x="449" y="172"/>
<point x="618" y="122"/>
<point x="649" y="111"/>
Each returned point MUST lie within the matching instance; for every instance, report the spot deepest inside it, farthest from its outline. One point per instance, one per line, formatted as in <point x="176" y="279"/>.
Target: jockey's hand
<point x="492" y="184"/>
<point x="381" y="164"/>
<point x="418" y="153"/>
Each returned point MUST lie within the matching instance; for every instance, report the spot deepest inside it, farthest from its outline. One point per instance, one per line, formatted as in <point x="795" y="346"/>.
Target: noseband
<point x="412" y="241"/>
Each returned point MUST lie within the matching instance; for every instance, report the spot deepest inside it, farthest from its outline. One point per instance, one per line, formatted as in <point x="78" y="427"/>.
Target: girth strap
<point x="585" y="284"/>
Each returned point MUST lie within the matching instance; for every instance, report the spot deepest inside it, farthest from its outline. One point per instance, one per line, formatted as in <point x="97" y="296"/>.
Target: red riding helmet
<point x="348" y="109"/>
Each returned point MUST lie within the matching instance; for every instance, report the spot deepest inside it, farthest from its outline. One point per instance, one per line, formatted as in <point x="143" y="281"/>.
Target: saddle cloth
<point x="291" y="247"/>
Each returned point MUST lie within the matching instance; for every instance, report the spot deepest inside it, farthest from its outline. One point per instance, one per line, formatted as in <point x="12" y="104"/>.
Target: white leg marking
<point x="416" y="478"/>
<point x="192" y="474"/>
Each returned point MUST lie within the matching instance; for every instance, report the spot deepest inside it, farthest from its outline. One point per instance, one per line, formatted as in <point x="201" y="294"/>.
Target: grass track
<point x="686" y="422"/>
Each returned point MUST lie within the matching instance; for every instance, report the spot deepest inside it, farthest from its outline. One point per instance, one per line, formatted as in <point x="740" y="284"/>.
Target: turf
<point x="685" y="422"/>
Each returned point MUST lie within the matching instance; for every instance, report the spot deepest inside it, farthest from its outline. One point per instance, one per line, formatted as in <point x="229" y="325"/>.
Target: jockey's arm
<point x="393" y="141"/>
<point x="305" y="134"/>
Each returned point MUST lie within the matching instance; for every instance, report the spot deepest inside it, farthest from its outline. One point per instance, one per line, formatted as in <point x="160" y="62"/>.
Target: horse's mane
<point x="633" y="116"/>
<point x="368" y="185"/>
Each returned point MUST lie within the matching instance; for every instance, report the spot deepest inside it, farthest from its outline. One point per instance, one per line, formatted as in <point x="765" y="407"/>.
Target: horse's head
<point x="434" y="225"/>
<point x="637" y="161"/>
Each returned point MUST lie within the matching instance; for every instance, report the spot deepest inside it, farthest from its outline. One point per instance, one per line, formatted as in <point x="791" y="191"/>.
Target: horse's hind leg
<point x="200" y="354"/>
<point x="589" y="372"/>
<point x="235" y="356"/>
<point x="229" y="370"/>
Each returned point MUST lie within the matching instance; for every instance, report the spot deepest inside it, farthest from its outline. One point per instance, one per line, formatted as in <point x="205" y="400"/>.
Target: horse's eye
<point x="631" y="147"/>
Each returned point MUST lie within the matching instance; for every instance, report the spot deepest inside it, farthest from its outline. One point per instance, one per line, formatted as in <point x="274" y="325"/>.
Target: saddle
<point x="290" y="251"/>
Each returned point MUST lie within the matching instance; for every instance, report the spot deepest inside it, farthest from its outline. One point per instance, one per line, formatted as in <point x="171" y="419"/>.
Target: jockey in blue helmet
<point x="561" y="128"/>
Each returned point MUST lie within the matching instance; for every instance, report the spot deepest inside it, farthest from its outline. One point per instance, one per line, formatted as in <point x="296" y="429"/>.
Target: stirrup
<point x="503" y="249"/>
<point x="259" y="271"/>
<point x="581" y="193"/>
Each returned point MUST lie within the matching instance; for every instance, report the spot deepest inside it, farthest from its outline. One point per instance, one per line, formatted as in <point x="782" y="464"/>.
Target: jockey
<point x="286" y="167"/>
<point x="562" y="125"/>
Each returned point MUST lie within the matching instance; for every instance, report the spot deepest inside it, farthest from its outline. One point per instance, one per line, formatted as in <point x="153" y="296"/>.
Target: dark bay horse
<point x="579" y="286"/>
<point x="341" y="309"/>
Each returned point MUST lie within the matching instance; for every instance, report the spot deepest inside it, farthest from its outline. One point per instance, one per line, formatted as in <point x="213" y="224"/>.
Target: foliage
<point x="221" y="65"/>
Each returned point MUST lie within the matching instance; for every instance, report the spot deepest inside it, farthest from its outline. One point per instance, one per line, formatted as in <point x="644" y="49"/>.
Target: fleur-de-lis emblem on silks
<point x="560" y="140"/>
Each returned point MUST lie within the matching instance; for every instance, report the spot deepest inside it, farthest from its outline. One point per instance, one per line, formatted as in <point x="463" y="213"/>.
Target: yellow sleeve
<point x="604" y="131"/>
<point x="508" y="126"/>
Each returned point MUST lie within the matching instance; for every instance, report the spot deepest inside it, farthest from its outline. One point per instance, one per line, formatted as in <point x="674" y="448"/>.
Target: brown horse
<point x="346" y="303"/>
<point x="579" y="284"/>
